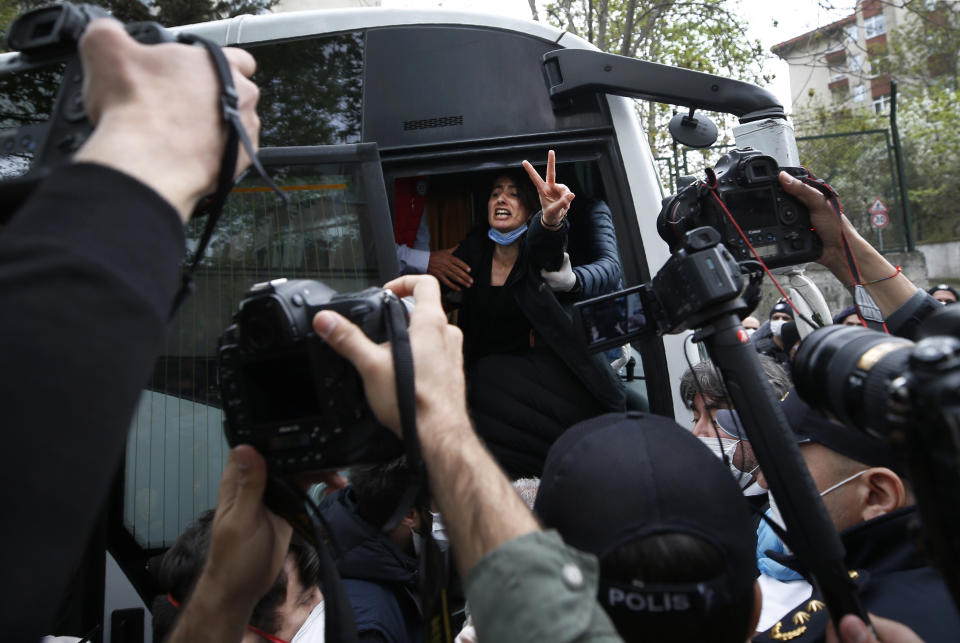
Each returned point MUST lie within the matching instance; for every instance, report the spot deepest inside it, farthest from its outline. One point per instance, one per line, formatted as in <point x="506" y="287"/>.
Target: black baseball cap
<point x="946" y="287"/>
<point x="809" y="425"/>
<point x="781" y="307"/>
<point x="619" y="478"/>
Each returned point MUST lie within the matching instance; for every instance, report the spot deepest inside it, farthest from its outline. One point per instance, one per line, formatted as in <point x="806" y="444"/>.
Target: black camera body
<point x="776" y="224"/>
<point x="699" y="276"/>
<point x="45" y="38"/>
<point x="287" y="393"/>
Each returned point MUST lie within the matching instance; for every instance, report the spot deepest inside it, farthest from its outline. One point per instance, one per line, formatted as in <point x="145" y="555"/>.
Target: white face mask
<point x="417" y="542"/>
<point x="437" y="530"/>
<point x="749" y="331"/>
<point x="312" y="630"/>
<point x="728" y="447"/>
<point x="774" y="512"/>
<point x="777" y="326"/>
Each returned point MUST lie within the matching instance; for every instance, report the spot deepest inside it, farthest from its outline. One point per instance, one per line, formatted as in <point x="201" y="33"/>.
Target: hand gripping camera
<point x="761" y="213"/>
<point x="287" y="393"/>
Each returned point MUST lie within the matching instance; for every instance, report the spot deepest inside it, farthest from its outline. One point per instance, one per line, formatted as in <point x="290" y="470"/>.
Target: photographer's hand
<point x="854" y="630"/>
<point x="888" y="294"/>
<point x="248" y="545"/>
<point x="156" y="111"/>
<point x="555" y="198"/>
<point x="480" y="508"/>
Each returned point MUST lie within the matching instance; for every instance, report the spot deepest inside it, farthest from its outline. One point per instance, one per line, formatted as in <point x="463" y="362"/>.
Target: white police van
<point x="353" y="102"/>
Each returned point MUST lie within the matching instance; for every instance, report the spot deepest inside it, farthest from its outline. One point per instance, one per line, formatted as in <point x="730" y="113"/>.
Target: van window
<point x="334" y="230"/>
<point x="455" y="203"/>
<point x="311" y="90"/>
<point x="26" y="99"/>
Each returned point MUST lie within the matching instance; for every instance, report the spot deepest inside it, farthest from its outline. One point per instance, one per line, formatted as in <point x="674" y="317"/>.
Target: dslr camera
<point x="287" y="393"/>
<point x="761" y="213"/>
<point x="44" y="121"/>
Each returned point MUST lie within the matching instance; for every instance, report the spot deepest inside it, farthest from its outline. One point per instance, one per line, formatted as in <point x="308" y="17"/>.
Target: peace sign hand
<point x="555" y="198"/>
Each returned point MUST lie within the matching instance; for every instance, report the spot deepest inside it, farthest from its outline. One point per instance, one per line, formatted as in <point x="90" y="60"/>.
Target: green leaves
<point x="704" y="35"/>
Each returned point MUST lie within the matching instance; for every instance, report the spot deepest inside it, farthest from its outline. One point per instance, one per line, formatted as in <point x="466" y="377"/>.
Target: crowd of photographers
<point x="638" y="531"/>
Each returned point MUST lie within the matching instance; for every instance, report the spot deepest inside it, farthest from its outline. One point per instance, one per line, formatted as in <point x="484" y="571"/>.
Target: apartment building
<point x="832" y="65"/>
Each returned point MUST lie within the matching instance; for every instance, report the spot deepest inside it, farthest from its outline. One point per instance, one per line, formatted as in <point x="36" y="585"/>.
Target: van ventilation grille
<point x="430" y="123"/>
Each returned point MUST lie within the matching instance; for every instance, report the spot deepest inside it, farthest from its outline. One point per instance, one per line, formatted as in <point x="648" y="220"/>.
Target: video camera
<point x="759" y="213"/>
<point x="287" y="393"/>
<point x="698" y="276"/>
<point x="700" y="287"/>
<point x="42" y="128"/>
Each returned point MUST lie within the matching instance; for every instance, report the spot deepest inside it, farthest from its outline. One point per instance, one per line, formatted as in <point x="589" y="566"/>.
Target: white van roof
<point x="247" y="28"/>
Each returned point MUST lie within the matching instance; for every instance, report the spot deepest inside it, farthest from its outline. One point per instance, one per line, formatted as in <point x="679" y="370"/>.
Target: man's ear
<point x="884" y="493"/>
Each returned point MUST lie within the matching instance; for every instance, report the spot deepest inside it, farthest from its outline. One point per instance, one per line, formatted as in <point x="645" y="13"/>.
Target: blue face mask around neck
<point x="507" y="239"/>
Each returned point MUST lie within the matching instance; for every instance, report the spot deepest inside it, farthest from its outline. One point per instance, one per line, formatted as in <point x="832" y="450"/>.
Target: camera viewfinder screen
<point x="612" y="320"/>
<point x="280" y="389"/>
<point x="752" y="208"/>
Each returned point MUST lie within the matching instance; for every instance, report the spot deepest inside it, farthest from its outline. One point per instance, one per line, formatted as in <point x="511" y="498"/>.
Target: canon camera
<point x="287" y="393"/>
<point x="761" y="213"/>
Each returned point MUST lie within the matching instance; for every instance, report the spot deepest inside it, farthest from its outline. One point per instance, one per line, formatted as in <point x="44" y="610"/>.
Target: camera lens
<point x="846" y="371"/>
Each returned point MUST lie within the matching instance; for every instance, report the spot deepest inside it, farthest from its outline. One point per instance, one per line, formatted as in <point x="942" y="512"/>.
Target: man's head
<point x="858" y="476"/>
<point x="944" y="293"/>
<point x="781" y="311"/>
<point x="702" y="391"/>
<point x="750" y="324"/>
<point x="377" y="491"/>
<point x="280" y="612"/>
<point x="675" y="549"/>
<point x="847" y="317"/>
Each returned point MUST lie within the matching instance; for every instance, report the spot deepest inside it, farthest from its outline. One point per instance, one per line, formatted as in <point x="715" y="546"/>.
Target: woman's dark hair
<point x="525" y="191"/>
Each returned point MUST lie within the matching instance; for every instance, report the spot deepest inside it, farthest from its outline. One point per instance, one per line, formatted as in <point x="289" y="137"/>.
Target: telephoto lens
<point x="846" y="372"/>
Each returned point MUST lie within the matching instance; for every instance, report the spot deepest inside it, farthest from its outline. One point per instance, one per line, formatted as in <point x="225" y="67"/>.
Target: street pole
<point x="901" y="175"/>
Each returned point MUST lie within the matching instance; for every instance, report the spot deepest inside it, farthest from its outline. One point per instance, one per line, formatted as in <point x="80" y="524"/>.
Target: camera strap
<point x="867" y="309"/>
<point x="236" y="134"/>
<point x="291" y="502"/>
<point x="434" y="563"/>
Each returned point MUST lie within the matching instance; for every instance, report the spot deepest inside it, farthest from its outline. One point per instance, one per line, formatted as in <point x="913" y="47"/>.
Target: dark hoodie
<point x="380" y="579"/>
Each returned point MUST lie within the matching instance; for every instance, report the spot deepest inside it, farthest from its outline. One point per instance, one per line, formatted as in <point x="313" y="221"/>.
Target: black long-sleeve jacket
<point x="88" y="270"/>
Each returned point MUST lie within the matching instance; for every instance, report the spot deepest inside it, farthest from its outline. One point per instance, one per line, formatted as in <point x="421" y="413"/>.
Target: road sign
<point x="877" y="206"/>
<point x="878" y="214"/>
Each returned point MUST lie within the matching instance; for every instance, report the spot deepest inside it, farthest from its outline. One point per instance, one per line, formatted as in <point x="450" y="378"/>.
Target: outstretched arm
<point x="90" y="268"/>
<point x="248" y="544"/>
<point x="889" y="294"/>
<point x="513" y="572"/>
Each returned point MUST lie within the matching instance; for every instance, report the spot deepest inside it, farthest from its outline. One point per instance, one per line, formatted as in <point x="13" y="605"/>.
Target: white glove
<point x="562" y="280"/>
<point x="621" y="361"/>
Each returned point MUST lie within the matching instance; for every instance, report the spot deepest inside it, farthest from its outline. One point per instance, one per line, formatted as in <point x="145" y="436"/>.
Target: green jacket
<point x="537" y="589"/>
